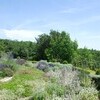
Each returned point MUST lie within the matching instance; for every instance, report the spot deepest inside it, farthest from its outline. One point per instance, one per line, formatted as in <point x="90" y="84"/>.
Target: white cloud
<point x="25" y="35"/>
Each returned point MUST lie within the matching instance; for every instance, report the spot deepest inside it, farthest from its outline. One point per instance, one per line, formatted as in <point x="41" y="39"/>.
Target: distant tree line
<point x="55" y="46"/>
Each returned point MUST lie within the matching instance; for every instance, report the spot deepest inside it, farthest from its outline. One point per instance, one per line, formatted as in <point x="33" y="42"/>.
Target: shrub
<point x="23" y="90"/>
<point x="39" y="95"/>
<point x="43" y="65"/>
<point x="51" y="65"/>
<point x="98" y="72"/>
<point x="54" y="88"/>
<point x="29" y="64"/>
<point x="20" y="61"/>
<point x="2" y="74"/>
<point x="6" y="72"/>
<point x="99" y="95"/>
<point x="65" y="62"/>
<point x="85" y="80"/>
<point x="20" y="90"/>
<point x="7" y="95"/>
<point x="88" y="94"/>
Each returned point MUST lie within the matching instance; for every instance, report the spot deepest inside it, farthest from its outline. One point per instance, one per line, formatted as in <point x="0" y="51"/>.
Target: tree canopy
<point x="55" y="46"/>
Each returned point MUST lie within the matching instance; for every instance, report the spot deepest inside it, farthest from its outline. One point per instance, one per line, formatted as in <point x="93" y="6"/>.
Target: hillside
<point x="52" y="68"/>
<point x="45" y="81"/>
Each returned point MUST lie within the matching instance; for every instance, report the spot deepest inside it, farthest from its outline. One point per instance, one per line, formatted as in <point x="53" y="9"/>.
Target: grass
<point x="91" y="72"/>
<point x="20" y="78"/>
<point x="28" y="81"/>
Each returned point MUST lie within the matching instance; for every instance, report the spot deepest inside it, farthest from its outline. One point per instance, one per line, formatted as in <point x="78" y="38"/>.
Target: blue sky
<point x="26" y="19"/>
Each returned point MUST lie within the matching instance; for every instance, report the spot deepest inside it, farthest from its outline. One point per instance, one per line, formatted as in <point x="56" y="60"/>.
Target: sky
<point x="26" y="19"/>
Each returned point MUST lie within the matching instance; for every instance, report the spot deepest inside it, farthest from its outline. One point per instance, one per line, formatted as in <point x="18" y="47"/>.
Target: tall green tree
<point x="61" y="47"/>
<point x="42" y="43"/>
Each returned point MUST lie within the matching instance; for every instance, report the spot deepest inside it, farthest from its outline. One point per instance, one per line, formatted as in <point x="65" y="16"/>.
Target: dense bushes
<point x="7" y="95"/>
<point x="43" y="65"/>
<point x="7" y="72"/>
<point x="89" y="93"/>
<point x="48" y="81"/>
<point x="8" y="66"/>
<point x="98" y="72"/>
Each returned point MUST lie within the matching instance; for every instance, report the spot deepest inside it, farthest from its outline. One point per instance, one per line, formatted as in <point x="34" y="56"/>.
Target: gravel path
<point x="6" y="79"/>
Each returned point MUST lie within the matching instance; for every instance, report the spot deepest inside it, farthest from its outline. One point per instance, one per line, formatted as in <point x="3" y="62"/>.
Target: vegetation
<point x="52" y="68"/>
<point x="55" y="47"/>
<point x="30" y="83"/>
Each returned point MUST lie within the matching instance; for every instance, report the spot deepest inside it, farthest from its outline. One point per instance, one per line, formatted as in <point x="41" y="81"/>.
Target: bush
<point x="7" y="95"/>
<point x="54" y="88"/>
<point x="20" y="61"/>
<point x="88" y="94"/>
<point x="20" y="90"/>
<point x="98" y="72"/>
<point x="6" y="72"/>
<point x="85" y="80"/>
<point x="39" y="95"/>
<point x="2" y="74"/>
<point x="29" y="64"/>
<point x="51" y="65"/>
<point x="43" y="65"/>
<point x="65" y="62"/>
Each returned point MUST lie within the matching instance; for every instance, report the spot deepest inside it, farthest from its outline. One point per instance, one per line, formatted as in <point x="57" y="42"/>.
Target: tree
<point x="60" y="47"/>
<point x="43" y="42"/>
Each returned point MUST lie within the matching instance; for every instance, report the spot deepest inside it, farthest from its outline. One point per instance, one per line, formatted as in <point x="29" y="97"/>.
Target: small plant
<point x="89" y="93"/>
<point x="7" y="95"/>
<point x="54" y="88"/>
<point x="85" y="80"/>
<point x="20" y="90"/>
<point x="39" y="95"/>
<point x="8" y="72"/>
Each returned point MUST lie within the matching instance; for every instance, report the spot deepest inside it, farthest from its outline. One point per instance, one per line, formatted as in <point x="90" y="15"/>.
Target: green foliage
<point x="8" y="72"/>
<point x="65" y="62"/>
<point x="88" y="94"/>
<point x="39" y="95"/>
<point x="7" y="95"/>
<point x="49" y="45"/>
<point x="87" y="58"/>
<point x="85" y="80"/>
<point x="2" y="74"/>
<point x="55" y="46"/>
<point x="98" y="72"/>
<point x="60" y="42"/>
<point x="59" y="48"/>
<point x="21" y="49"/>
<point x="20" y="77"/>
<point x="55" y="88"/>
<point x="59" y="84"/>
<point x="41" y="45"/>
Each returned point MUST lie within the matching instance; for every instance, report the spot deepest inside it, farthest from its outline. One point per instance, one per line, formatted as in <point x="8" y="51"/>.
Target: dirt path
<point x="6" y="79"/>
